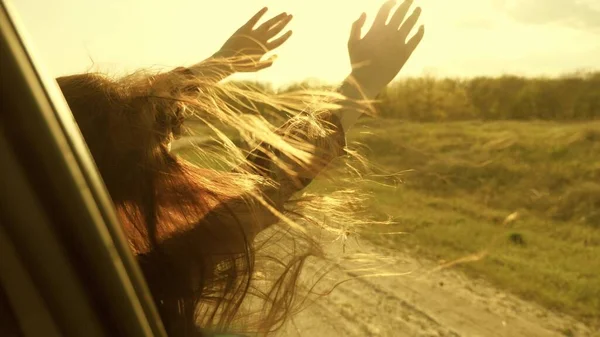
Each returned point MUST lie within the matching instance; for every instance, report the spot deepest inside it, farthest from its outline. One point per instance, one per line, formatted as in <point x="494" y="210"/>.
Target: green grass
<point x="469" y="176"/>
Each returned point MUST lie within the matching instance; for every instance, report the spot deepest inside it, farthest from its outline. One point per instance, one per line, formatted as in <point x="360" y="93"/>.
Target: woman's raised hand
<point x="378" y="57"/>
<point x="247" y="47"/>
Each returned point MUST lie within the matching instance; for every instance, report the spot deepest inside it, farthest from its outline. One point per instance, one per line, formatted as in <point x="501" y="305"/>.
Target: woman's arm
<point x="245" y="50"/>
<point x="378" y="57"/>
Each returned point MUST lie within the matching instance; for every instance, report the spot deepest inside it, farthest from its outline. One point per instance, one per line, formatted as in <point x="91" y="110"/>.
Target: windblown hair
<point x="195" y="230"/>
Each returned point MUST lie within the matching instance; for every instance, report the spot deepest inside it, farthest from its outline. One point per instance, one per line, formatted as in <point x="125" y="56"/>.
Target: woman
<point x="193" y="230"/>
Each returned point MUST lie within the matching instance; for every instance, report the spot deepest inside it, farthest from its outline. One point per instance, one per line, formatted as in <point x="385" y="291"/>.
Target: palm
<point x="378" y="57"/>
<point x="247" y="47"/>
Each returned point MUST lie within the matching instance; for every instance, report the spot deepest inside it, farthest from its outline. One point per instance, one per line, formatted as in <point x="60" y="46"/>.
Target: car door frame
<point x="66" y="267"/>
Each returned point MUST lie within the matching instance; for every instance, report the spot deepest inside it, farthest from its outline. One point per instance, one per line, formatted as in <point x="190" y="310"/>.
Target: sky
<point x="463" y="38"/>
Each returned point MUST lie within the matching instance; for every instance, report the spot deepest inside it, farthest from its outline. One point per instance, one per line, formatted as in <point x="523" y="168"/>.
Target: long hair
<point x="204" y="260"/>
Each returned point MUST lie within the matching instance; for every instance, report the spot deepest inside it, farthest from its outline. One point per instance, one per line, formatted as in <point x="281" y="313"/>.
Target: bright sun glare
<point x="463" y="37"/>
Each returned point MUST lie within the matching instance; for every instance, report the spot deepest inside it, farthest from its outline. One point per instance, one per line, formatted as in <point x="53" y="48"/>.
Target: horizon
<point x="529" y="40"/>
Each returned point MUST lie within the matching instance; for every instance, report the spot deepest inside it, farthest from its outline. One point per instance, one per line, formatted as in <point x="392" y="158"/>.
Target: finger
<point x="415" y="40"/>
<point x="384" y="13"/>
<point x="265" y="64"/>
<point x="356" y="31"/>
<point x="409" y="24"/>
<point x="279" y="41"/>
<point x="254" y="20"/>
<point x="270" y="23"/>
<point x="400" y="14"/>
<point x="278" y="27"/>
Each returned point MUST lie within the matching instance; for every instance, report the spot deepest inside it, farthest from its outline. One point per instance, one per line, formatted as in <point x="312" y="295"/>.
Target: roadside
<point x="423" y="303"/>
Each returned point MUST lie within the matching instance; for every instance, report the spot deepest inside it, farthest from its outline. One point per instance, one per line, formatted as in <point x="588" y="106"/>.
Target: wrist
<point x="356" y="88"/>
<point x="216" y="67"/>
<point x="357" y="100"/>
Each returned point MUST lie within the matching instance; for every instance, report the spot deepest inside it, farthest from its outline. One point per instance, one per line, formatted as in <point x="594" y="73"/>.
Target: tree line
<point x="429" y="99"/>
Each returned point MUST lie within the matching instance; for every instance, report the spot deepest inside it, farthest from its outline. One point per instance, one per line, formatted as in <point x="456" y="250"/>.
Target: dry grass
<point x="526" y="193"/>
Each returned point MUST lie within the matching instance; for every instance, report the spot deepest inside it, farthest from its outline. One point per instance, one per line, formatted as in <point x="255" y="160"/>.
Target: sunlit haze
<point x="463" y="37"/>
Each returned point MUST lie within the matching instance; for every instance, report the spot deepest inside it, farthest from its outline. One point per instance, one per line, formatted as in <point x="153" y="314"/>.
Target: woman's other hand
<point x="247" y="47"/>
<point x="378" y="57"/>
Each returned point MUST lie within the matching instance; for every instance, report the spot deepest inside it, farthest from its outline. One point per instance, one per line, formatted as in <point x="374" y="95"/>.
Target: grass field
<point x="525" y="193"/>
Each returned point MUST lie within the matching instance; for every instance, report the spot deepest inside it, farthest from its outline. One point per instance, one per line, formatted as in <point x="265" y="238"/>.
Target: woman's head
<point x="128" y="125"/>
<point x="125" y="127"/>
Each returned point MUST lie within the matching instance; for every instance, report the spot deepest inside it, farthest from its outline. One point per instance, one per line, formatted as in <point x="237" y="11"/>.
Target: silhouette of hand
<point x="247" y="46"/>
<point x="378" y="57"/>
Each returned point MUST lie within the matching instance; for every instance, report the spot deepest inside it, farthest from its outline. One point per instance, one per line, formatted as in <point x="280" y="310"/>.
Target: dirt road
<point x="422" y="303"/>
